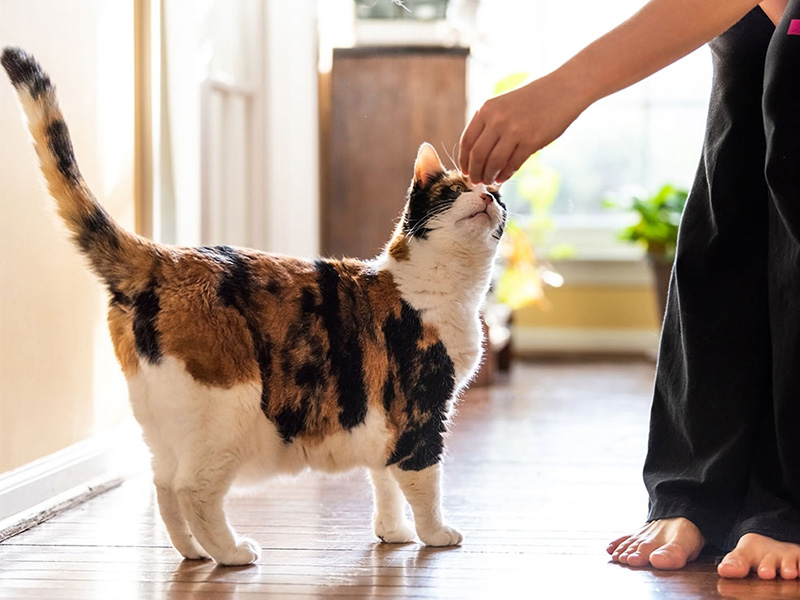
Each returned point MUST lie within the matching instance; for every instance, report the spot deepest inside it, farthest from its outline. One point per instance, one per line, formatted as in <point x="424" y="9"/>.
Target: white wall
<point x="59" y="381"/>
<point x="270" y="45"/>
<point x="292" y="159"/>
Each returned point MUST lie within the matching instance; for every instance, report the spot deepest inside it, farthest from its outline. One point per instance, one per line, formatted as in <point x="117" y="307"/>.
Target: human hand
<point x="509" y="128"/>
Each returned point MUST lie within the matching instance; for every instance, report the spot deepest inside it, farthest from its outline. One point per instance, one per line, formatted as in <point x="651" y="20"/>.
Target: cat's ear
<point x="427" y="165"/>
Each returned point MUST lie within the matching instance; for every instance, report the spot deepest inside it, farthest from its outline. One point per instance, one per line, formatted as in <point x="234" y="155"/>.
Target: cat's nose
<point x="487" y="198"/>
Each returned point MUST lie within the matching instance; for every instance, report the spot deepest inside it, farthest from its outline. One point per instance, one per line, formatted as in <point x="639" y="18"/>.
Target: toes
<point x="641" y="556"/>
<point x="399" y="533"/>
<point x="246" y="552"/>
<point x="622" y="548"/>
<point x="446" y="536"/>
<point x="631" y="549"/>
<point x="733" y="566"/>
<point x="669" y="557"/>
<point x="615" y="544"/>
<point x="789" y="567"/>
<point x="199" y="555"/>
<point x="768" y="567"/>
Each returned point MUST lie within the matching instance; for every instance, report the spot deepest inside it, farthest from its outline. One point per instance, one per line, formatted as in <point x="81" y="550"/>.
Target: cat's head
<point x="445" y="210"/>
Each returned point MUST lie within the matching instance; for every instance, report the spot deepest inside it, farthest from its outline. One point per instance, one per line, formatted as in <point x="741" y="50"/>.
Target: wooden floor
<point x="542" y="472"/>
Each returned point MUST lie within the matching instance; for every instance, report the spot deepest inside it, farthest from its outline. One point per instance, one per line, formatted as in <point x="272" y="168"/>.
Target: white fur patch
<point x="182" y="418"/>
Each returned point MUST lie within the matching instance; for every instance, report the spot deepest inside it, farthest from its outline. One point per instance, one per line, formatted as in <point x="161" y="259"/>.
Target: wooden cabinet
<point x="383" y="103"/>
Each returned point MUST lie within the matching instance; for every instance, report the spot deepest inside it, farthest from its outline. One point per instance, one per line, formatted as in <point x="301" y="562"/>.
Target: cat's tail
<point x="115" y="254"/>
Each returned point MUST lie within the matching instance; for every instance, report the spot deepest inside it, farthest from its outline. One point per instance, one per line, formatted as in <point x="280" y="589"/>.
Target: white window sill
<point x="597" y="256"/>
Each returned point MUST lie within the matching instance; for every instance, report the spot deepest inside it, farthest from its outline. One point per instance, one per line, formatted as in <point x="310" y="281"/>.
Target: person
<point x="723" y="461"/>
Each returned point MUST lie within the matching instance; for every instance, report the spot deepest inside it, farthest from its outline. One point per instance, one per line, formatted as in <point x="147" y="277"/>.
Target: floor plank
<point x="542" y="471"/>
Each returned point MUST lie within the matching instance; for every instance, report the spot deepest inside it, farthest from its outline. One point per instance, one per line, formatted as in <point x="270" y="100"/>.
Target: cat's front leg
<point x="390" y="522"/>
<point x="200" y="490"/>
<point x="423" y="491"/>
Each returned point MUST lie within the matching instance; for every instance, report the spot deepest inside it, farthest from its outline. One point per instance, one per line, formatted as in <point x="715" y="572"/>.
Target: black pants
<point x="724" y="447"/>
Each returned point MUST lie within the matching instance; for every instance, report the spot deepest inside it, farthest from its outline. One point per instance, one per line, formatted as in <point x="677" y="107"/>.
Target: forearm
<point x="659" y="34"/>
<point x="510" y="127"/>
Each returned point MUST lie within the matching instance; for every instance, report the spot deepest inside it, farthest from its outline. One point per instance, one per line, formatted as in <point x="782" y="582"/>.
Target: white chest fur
<point x="449" y="296"/>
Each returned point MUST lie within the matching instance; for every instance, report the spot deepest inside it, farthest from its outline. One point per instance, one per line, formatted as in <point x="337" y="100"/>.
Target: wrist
<point x="575" y="87"/>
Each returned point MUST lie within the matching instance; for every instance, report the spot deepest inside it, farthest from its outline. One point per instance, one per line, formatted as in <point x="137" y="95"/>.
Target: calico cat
<point x="242" y="364"/>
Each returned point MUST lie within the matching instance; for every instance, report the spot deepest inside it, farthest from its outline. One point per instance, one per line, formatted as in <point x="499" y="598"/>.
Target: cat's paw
<point x="190" y="550"/>
<point x="394" y="532"/>
<point x="446" y="536"/>
<point x="246" y="552"/>
<point x="195" y="555"/>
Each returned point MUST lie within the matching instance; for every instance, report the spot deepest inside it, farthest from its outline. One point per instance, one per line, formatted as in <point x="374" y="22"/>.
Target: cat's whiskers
<point x="424" y="223"/>
<point x="450" y="156"/>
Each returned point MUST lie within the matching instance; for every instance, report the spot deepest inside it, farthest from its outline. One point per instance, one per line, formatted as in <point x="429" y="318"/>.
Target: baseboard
<point x="24" y="520"/>
<point x="38" y="490"/>
<point x="528" y="340"/>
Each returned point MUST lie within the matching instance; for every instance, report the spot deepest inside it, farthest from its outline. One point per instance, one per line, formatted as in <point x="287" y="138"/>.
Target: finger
<point x="468" y="139"/>
<point x="520" y="155"/>
<point x="480" y="152"/>
<point x="498" y="158"/>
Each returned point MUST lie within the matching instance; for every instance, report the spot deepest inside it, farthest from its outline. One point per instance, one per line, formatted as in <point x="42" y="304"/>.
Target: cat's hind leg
<point x="423" y="491"/>
<point x="390" y="522"/>
<point x="200" y="488"/>
<point x="177" y="527"/>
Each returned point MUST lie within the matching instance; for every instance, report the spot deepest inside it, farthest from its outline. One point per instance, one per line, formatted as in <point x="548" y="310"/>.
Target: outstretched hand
<point x="509" y="128"/>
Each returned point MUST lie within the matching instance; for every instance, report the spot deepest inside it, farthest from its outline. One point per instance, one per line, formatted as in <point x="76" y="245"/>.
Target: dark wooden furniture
<point x="384" y="102"/>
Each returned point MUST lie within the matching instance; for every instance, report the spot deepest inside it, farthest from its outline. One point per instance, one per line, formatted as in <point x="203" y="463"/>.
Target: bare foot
<point x="666" y="544"/>
<point x="767" y="557"/>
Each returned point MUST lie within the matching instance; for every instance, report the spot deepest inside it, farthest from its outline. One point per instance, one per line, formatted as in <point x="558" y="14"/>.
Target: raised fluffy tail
<point x="115" y="254"/>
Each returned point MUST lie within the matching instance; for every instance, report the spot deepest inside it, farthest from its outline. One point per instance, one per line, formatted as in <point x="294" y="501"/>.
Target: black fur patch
<point x="235" y="286"/>
<point x="97" y="228"/>
<point x="61" y="147"/>
<point x="427" y="381"/>
<point x="308" y="302"/>
<point x="145" y="333"/>
<point x="422" y="206"/>
<point x="118" y="298"/>
<point x="421" y="447"/>
<point x="263" y="347"/>
<point x="303" y="360"/>
<point x="236" y="290"/>
<point x="310" y="374"/>
<point x="498" y="233"/>
<point x="273" y="287"/>
<point x="346" y="357"/>
<point x="291" y="422"/>
<point x="23" y="69"/>
<point x="388" y="391"/>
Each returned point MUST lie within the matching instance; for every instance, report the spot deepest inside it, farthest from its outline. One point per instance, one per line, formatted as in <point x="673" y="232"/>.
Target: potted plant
<point x="656" y="228"/>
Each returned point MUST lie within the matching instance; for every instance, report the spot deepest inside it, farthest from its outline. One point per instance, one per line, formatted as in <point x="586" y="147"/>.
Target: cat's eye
<point x="459" y="188"/>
